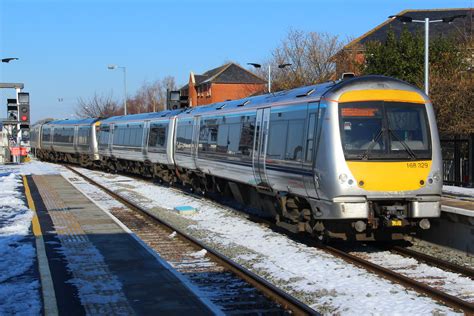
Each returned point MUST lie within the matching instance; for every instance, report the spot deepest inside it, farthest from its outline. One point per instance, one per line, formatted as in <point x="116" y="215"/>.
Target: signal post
<point x="17" y="124"/>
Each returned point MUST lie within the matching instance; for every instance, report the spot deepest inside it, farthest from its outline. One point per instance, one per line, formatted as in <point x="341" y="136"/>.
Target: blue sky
<point x="65" y="46"/>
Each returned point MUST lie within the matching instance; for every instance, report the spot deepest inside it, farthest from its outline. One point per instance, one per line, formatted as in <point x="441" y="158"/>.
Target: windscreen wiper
<point x="407" y="148"/>
<point x="365" y="155"/>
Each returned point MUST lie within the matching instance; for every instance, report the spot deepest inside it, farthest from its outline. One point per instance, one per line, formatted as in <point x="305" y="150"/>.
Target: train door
<point x="171" y="140"/>
<point x="111" y="139"/>
<point x="311" y="148"/>
<point x="195" y="140"/>
<point x="260" y="147"/>
<point x="146" y="131"/>
<point x="75" y="139"/>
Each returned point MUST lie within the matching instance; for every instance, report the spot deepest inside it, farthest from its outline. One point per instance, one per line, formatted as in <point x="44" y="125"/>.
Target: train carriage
<point x="67" y="140"/>
<point x="140" y="143"/>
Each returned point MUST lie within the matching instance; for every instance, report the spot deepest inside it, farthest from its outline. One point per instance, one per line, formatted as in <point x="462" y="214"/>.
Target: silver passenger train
<point x="358" y="158"/>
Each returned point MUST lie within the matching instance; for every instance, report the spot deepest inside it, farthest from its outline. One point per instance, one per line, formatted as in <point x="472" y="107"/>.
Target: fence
<point x="458" y="160"/>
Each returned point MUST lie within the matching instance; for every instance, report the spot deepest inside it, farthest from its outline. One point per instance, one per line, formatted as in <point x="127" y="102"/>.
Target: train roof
<point x="303" y="94"/>
<point x="307" y="93"/>
<point x="142" y="116"/>
<point x="86" y="121"/>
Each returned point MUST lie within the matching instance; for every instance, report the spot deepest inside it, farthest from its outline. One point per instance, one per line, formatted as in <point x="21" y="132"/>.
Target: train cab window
<point x="407" y="125"/>
<point x="384" y="130"/>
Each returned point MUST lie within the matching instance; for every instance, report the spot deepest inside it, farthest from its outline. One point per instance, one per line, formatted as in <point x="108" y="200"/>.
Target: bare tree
<point x="151" y="97"/>
<point x="98" y="106"/>
<point x="309" y="54"/>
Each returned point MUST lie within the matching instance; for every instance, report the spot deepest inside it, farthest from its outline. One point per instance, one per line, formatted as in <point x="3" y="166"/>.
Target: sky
<point x="64" y="46"/>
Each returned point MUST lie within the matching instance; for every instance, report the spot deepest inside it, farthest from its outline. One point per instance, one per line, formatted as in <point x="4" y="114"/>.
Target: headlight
<point x="343" y="177"/>
<point x="436" y="176"/>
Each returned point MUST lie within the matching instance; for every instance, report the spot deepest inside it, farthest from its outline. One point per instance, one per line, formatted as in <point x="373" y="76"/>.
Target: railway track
<point x="433" y="261"/>
<point x="231" y="287"/>
<point x="423" y="288"/>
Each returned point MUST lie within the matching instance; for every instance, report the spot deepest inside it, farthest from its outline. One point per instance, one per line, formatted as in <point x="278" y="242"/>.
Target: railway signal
<point x="24" y="107"/>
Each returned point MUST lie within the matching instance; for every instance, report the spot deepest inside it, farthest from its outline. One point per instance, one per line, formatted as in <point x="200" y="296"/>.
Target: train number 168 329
<point x="417" y="165"/>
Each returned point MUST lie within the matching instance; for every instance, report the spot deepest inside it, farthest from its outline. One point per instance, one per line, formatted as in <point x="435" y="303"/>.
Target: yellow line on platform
<point x="47" y="288"/>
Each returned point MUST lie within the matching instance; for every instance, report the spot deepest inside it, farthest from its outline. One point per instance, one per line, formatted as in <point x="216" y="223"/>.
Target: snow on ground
<point x="449" y="189"/>
<point x="328" y="284"/>
<point x="19" y="284"/>
<point x="32" y="167"/>
<point x="448" y="282"/>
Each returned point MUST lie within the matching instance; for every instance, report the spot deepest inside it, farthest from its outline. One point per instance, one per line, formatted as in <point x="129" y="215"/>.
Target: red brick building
<point x="227" y="82"/>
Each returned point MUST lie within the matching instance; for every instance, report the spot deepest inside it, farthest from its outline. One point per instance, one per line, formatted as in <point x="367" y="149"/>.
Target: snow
<point x="327" y="283"/>
<point x="32" y="167"/>
<point x="452" y="190"/>
<point x="19" y="285"/>
<point x="445" y="281"/>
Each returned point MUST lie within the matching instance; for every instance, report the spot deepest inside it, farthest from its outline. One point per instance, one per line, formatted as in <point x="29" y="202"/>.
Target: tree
<point x="98" y="106"/>
<point x="451" y="83"/>
<point x="151" y="97"/>
<point x="309" y="54"/>
<point x="400" y="58"/>
<point x="452" y="88"/>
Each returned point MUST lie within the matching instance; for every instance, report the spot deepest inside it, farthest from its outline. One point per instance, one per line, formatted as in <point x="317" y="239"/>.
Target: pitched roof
<point x="456" y="28"/>
<point x="228" y="73"/>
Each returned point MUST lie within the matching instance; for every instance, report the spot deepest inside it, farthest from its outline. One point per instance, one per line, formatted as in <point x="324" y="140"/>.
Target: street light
<point x="427" y="21"/>
<point x="281" y="66"/>
<point x="112" y="67"/>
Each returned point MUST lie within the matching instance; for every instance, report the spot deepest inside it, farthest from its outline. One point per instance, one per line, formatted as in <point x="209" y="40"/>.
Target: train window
<point x="83" y="135"/>
<point x="246" y="135"/>
<point x="116" y="134"/>
<point x="213" y="134"/>
<point x="407" y="125"/>
<point x="310" y="137"/>
<point x="104" y="136"/>
<point x="234" y="138"/>
<point x="125" y="136"/>
<point x="277" y="139"/>
<point x="384" y="130"/>
<point x="184" y="138"/>
<point x="46" y="134"/>
<point x="222" y="139"/>
<point x="294" y="145"/>
<point x="157" y="136"/>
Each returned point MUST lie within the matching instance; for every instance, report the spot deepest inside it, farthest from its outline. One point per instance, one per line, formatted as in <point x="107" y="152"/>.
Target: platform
<point x="460" y="207"/>
<point x="95" y="266"/>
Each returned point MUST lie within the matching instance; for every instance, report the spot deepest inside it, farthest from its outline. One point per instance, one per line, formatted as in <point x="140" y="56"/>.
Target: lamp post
<point x="112" y="67"/>
<point x="281" y="66"/>
<point x="427" y="21"/>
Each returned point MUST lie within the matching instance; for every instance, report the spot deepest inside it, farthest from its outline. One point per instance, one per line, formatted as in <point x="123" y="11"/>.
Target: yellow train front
<point x="378" y="170"/>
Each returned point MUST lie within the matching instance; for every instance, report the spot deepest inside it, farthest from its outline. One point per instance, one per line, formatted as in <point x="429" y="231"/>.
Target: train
<point x="358" y="158"/>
